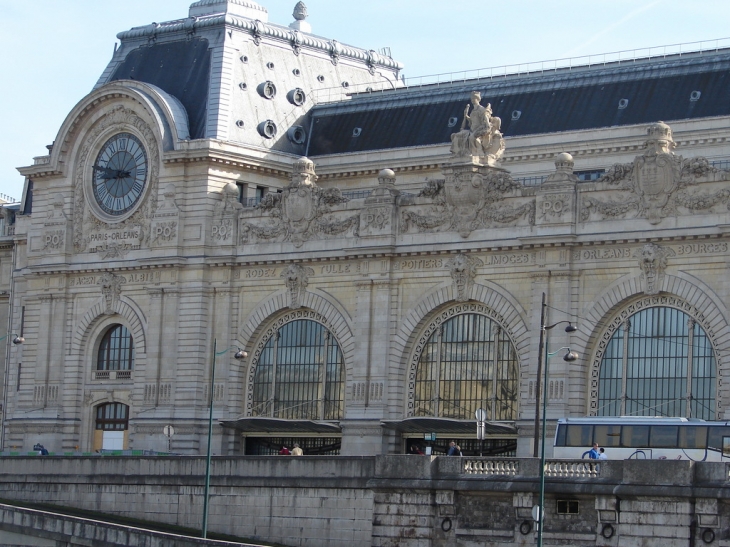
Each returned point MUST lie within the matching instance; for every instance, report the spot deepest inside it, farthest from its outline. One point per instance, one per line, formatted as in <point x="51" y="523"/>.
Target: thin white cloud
<point x="610" y="28"/>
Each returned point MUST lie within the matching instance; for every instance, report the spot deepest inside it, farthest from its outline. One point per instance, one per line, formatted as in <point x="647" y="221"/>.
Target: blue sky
<point x="53" y="51"/>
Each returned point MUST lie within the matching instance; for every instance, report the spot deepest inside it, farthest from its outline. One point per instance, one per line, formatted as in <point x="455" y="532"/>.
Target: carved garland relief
<point x="656" y="183"/>
<point x="301" y="212"/>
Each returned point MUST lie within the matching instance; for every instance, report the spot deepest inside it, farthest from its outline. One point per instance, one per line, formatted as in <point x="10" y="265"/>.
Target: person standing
<point x="296" y="451"/>
<point x="593" y="453"/>
<point x="454" y="449"/>
<point x="602" y="454"/>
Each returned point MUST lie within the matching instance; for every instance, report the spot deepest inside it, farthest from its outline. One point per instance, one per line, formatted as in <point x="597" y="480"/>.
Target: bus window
<point x="579" y="435"/>
<point x="693" y="437"/>
<point x="715" y="439"/>
<point x="635" y="436"/>
<point x="560" y="435"/>
<point x="607" y="435"/>
<point x="664" y="436"/>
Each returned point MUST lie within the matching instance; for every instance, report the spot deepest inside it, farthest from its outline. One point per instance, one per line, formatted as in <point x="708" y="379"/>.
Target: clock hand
<point x="105" y="172"/>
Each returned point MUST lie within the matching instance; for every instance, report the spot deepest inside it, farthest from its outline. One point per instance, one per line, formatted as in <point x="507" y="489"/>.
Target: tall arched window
<point x="300" y="374"/>
<point x="658" y="363"/>
<point x="467" y="363"/>
<point x="116" y="350"/>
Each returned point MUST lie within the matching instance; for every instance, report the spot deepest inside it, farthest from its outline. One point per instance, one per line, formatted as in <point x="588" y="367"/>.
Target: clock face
<point x="120" y="174"/>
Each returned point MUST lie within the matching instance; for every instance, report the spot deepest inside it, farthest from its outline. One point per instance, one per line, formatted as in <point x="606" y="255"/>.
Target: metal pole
<point x="541" y="520"/>
<point x="539" y="377"/>
<point x="206" y="494"/>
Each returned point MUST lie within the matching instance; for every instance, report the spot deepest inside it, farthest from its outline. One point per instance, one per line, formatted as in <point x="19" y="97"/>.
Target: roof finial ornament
<point x="300" y="11"/>
<point x="300" y="14"/>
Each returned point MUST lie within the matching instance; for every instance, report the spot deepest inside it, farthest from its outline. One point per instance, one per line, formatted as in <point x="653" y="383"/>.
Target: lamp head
<point x="571" y="328"/>
<point x="570" y="356"/>
<point x="18" y="340"/>
<point x="240" y="354"/>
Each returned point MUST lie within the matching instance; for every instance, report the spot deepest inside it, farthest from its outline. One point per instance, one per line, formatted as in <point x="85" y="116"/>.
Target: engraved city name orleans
<point x="625" y="252"/>
<point x="602" y="254"/>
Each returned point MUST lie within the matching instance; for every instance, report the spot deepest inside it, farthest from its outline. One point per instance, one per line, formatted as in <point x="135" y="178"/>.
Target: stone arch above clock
<point x="155" y="122"/>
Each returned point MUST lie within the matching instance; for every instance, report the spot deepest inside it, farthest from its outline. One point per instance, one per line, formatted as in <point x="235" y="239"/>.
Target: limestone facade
<point x="379" y="248"/>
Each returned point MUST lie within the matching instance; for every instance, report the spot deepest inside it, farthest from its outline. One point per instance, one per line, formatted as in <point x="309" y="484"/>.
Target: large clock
<point x="120" y="174"/>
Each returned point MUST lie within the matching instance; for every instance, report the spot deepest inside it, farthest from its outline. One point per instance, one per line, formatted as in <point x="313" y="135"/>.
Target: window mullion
<point x="495" y="365"/>
<point x="323" y="376"/>
<point x="437" y="375"/>
<point x="274" y="362"/>
<point x="690" y="352"/>
<point x="624" y="365"/>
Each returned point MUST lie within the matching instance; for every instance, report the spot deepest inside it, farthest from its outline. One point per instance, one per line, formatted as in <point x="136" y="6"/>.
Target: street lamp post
<point x="17" y="340"/>
<point x="543" y="345"/>
<point x="569" y="356"/>
<point x="240" y="354"/>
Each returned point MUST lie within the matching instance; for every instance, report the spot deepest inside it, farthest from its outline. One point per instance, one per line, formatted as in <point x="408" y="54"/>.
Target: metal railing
<point x="541" y="67"/>
<point x="112" y="374"/>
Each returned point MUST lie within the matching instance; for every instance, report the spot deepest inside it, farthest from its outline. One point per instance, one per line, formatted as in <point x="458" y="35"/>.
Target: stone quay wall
<point x="396" y="501"/>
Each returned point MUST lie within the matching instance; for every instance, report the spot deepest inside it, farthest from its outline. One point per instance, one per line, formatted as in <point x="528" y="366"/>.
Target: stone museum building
<point x="246" y="216"/>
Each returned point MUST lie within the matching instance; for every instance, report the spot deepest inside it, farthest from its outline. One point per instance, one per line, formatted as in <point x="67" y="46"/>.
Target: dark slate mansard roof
<point x="561" y="100"/>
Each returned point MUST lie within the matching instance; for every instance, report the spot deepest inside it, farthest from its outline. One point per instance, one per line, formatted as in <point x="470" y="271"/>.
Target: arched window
<point x="116" y="350"/>
<point x="658" y="363"/>
<point x="300" y="374"/>
<point x="467" y="363"/>
<point x="112" y="417"/>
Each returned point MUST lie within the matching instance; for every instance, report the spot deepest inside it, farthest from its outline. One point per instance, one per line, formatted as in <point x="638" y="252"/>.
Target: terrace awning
<point x="260" y="424"/>
<point x="447" y="426"/>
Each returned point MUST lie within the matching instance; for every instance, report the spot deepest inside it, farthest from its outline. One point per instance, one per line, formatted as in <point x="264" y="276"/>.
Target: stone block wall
<point x="396" y="501"/>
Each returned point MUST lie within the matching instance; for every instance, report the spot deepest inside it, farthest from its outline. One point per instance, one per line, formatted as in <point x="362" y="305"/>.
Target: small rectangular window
<point x="664" y="436"/>
<point x="716" y="438"/>
<point x="607" y="435"/>
<point x="560" y="435"/>
<point x="635" y="436"/>
<point x="693" y="437"/>
<point x="579" y="435"/>
<point x="17" y="386"/>
<point x="586" y="176"/>
<point x="567" y="507"/>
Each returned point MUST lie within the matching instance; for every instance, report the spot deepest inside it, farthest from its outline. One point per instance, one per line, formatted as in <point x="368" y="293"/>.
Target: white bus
<point x="634" y="437"/>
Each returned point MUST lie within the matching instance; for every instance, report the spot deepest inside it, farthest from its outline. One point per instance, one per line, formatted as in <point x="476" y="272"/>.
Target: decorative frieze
<point x="301" y="212"/>
<point x="657" y="184"/>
